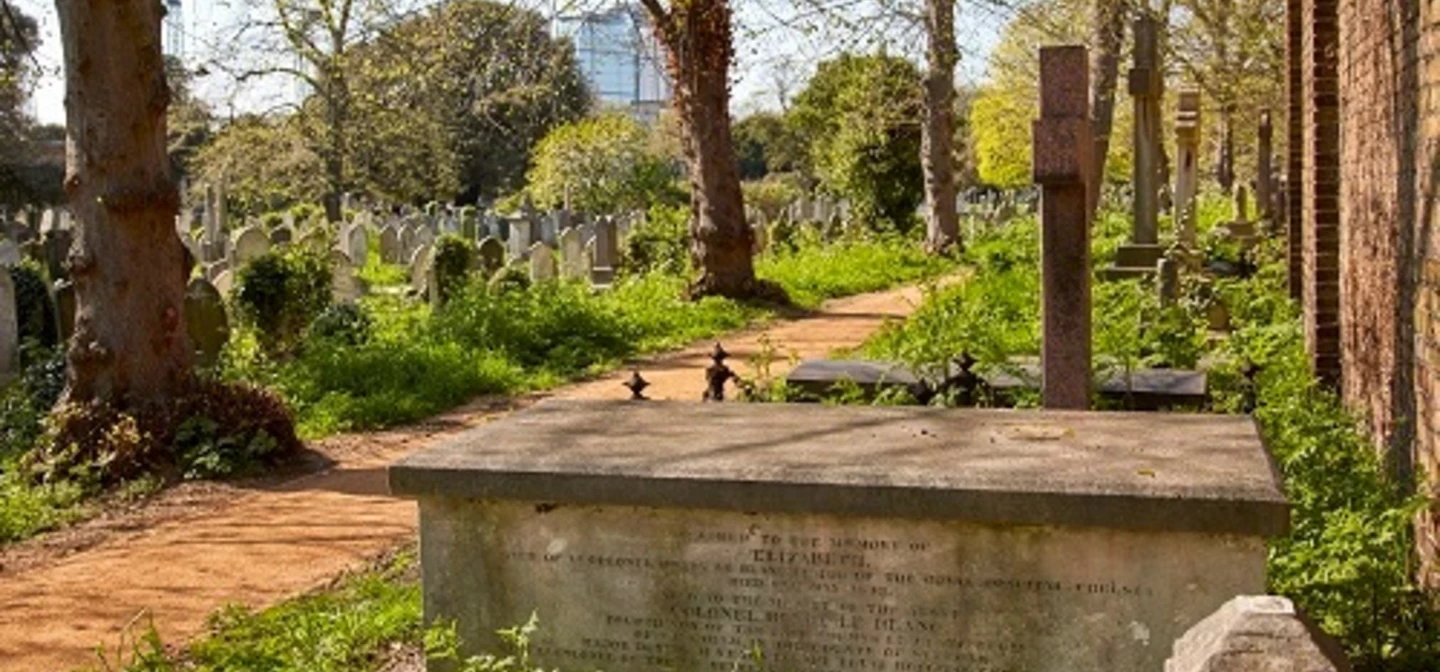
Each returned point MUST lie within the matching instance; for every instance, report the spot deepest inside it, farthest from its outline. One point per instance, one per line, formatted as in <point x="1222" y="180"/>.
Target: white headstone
<point x="574" y="264"/>
<point x="250" y="243"/>
<point x="357" y="243"/>
<point x="542" y="263"/>
<point x="224" y="282"/>
<point x="420" y="262"/>
<point x="345" y="287"/>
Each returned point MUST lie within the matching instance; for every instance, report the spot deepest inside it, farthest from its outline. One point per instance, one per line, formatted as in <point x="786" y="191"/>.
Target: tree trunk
<point x="937" y="153"/>
<point x="128" y="266"/>
<point x="697" y="40"/>
<point x="1108" y="33"/>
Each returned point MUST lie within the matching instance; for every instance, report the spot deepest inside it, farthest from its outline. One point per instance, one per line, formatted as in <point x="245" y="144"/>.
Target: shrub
<point x="94" y="442"/>
<point x="511" y="278"/>
<point x="772" y="195"/>
<point x="453" y="257"/>
<point x="34" y="310"/>
<point x="659" y="244"/>
<point x="602" y="164"/>
<point x="342" y="324"/>
<point x="862" y="116"/>
<point x="280" y="293"/>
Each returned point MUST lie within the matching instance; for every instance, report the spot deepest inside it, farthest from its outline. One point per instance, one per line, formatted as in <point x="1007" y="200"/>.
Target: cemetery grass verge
<point x="355" y="624"/>
<point x="401" y="361"/>
<point x="416" y="361"/>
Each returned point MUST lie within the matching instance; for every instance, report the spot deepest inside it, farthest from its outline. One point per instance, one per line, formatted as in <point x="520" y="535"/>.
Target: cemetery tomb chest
<point x="671" y="536"/>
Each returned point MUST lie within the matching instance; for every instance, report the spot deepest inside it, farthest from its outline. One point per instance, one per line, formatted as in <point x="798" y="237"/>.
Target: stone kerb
<point x="665" y="535"/>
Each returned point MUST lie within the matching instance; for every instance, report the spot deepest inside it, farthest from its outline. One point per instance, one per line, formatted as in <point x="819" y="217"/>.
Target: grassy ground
<point x="411" y="362"/>
<point x="1347" y="561"/>
<point x="420" y="361"/>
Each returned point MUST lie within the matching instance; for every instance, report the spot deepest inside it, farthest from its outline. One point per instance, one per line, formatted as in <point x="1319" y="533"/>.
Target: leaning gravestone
<point x="542" y="263"/>
<point x="420" y="262"/>
<point x="224" y="282"/>
<point x="491" y="256"/>
<point x="665" y="535"/>
<point x="205" y="321"/>
<point x="573" y="263"/>
<point x="250" y="243"/>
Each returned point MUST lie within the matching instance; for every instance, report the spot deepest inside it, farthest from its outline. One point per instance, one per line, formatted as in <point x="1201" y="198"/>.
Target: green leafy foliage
<point x="342" y="629"/>
<point x="603" y="164"/>
<point x="1349" y="560"/>
<point x="204" y="449"/>
<point x="453" y="100"/>
<point x="765" y="144"/>
<point x="506" y="337"/>
<point x="660" y="243"/>
<point x="346" y="324"/>
<point x="34" y="311"/>
<point x="453" y="258"/>
<point x="280" y="293"/>
<point x="861" y="115"/>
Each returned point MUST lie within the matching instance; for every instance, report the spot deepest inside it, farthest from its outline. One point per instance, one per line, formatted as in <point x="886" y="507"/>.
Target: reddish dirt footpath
<point x="276" y="541"/>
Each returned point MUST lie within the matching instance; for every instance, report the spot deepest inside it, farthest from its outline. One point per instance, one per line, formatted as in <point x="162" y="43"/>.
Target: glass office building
<point x="620" y="57"/>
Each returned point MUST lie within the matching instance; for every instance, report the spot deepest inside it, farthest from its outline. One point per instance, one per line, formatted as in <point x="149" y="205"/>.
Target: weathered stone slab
<point x="1257" y="634"/>
<point x="683" y="536"/>
<point x="1144" y="390"/>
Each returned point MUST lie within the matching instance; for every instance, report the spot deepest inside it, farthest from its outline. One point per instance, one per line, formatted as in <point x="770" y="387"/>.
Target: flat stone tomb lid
<point x="1153" y="471"/>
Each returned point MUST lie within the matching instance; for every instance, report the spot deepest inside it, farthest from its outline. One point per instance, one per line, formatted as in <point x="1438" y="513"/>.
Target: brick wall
<point x="1390" y="266"/>
<point x="1295" y="144"/>
<point x="1320" y="181"/>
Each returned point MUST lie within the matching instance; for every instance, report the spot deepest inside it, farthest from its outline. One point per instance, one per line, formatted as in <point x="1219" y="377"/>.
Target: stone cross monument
<point x="1062" y="167"/>
<point x="1146" y="89"/>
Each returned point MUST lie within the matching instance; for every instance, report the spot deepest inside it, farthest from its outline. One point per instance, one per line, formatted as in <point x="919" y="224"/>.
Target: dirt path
<point x="270" y="543"/>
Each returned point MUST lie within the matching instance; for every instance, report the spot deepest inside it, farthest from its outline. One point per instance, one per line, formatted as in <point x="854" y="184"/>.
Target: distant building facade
<point x="173" y="41"/>
<point x="620" y="57"/>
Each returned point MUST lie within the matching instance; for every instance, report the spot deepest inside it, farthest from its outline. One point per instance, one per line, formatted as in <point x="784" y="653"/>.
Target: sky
<point x="773" y="52"/>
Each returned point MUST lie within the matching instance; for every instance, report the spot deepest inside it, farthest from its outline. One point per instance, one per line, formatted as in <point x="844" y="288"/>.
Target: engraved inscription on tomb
<point x="708" y="593"/>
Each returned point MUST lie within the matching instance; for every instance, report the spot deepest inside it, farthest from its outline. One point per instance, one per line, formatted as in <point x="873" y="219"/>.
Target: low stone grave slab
<point x="1145" y="389"/>
<point x="664" y="535"/>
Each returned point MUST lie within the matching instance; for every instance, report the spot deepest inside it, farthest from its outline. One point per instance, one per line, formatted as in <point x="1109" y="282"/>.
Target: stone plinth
<point x="653" y="535"/>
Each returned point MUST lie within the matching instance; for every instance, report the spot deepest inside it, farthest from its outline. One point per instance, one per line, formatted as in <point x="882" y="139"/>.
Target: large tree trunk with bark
<point x="697" y="40"/>
<point x="937" y="153"/>
<point x="1108" y="34"/>
<point x="130" y="347"/>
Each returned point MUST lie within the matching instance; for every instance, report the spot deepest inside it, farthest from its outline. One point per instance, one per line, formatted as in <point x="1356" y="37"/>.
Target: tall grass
<point x="420" y="361"/>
